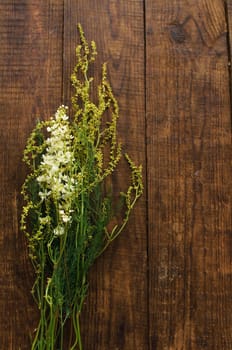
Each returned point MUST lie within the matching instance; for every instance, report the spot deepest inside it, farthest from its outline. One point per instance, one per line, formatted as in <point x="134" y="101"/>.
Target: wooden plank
<point x="30" y="86"/>
<point x="228" y="9"/>
<point x="189" y="175"/>
<point x="115" y="314"/>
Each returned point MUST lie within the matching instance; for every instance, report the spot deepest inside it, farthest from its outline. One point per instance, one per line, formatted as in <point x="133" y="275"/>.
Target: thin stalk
<point x="76" y="326"/>
<point x="79" y="331"/>
<point x="61" y="330"/>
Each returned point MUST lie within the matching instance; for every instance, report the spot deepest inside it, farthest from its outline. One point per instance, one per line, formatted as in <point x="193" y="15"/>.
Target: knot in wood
<point x="178" y="33"/>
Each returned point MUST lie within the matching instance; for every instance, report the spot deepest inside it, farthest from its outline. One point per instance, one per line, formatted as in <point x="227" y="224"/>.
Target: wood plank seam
<point x="146" y="170"/>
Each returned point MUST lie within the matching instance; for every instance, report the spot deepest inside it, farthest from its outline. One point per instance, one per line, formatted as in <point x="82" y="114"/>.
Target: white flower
<point x="43" y="195"/>
<point x="64" y="217"/>
<point x="59" y="231"/>
<point x="54" y="168"/>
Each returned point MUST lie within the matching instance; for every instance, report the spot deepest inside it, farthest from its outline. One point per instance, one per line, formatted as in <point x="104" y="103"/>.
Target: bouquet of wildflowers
<point x="68" y="207"/>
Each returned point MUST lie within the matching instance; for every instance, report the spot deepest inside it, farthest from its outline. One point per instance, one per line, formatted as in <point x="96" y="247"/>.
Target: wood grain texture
<point x="115" y="314"/>
<point x="189" y="175"/>
<point x="228" y="11"/>
<point x="30" y="86"/>
<point x="177" y="72"/>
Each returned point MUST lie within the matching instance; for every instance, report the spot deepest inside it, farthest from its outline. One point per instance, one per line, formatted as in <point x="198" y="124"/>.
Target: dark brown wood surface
<point x="189" y="175"/>
<point x="166" y="283"/>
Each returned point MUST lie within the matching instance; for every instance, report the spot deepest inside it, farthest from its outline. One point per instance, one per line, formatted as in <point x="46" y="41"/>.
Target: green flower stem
<point x="76" y="326"/>
<point x="79" y="331"/>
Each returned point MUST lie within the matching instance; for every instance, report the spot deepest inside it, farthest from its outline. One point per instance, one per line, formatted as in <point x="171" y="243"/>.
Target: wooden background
<point x="166" y="283"/>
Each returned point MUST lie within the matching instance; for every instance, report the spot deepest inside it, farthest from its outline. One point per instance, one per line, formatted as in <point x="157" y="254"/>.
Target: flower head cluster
<point x="54" y="170"/>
